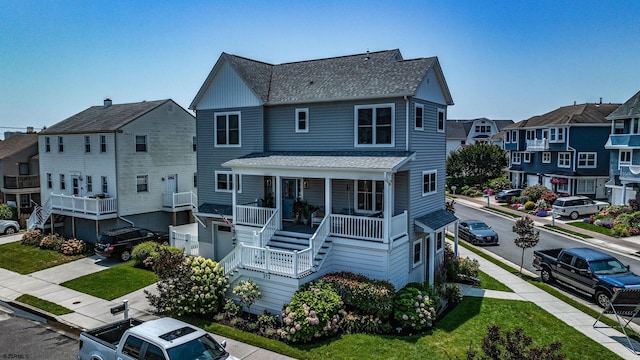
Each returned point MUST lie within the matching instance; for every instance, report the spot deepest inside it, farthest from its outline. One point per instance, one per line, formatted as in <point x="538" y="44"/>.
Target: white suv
<point x="575" y="206"/>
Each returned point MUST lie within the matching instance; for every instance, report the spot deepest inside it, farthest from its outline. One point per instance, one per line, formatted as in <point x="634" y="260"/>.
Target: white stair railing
<point x="265" y="234"/>
<point x="39" y="215"/>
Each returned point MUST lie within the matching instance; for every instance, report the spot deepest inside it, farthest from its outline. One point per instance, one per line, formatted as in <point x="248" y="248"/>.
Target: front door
<point x="289" y="195"/>
<point x="172" y="183"/>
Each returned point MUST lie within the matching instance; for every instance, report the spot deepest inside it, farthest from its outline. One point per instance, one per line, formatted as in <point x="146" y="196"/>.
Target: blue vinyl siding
<point x="592" y="139"/>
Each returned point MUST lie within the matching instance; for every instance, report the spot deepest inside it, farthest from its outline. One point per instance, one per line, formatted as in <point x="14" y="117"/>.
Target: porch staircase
<point x="39" y="216"/>
<point x="291" y="241"/>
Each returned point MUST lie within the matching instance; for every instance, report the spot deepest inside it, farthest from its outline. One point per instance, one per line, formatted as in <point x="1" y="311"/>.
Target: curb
<point x="62" y="327"/>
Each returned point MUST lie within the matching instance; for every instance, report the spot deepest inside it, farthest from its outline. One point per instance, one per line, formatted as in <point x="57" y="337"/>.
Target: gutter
<point x="406" y="143"/>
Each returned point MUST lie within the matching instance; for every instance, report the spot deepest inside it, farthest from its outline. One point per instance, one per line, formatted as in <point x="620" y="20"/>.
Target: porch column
<point x="432" y="257"/>
<point x="386" y="211"/>
<point x="455" y="238"/>
<point x="234" y="187"/>
<point x="327" y="196"/>
<point x="624" y="193"/>
<point x="278" y="200"/>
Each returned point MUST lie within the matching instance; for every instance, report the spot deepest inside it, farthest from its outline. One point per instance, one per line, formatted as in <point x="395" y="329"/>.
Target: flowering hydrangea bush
<point x="414" y="309"/>
<point x="247" y="291"/>
<point x="32" y="237"/>
<point x="315" y="311"/>
<point x="366" y="296"/>
<point x="51" y="241"/>
<point x="72" y="247"/>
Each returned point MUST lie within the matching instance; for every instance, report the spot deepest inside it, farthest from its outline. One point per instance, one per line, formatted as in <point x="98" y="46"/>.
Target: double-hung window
<point x="89" y="181"/>
<point x="546" y="157"/>
<point x="417" y="252"/>
<point x="531" y="134"/>
<point x="527" y="157"/>
<point x="142" y="183"/>
<point x="60" y="144"/>
<point x="587" y="159"/>
<point x="374" y="125"/>
<point x="227" y="129"/>
<point x="624" y="158"/>
<point x="429" y="182"/>
<point x="556" y="135"/>
<point x="516" y="157"/>
<point x="63" y="184"/>
<point x="105" y="183"/>
<point x="564" y="159"/>
<point x="49" y="181"/>
<point x="103" y="143"/>
<point x="302" y="120"/>
<point x="141" y="143"/>
<point x="47" y="144"/>
<point x="370" y="195"/>
<point x="586" y="186"/>
<point x="87" y="143"/>
<point x="441" y="120"/>
<point x="419" y="117"/>
<point x="224" y="181"/>
<point x="514" y="136"/>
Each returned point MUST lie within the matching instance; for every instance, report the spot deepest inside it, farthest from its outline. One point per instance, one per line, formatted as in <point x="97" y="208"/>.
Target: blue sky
<point x="501" y="59"/>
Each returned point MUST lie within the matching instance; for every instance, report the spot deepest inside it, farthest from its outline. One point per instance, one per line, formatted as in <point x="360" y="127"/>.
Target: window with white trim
<point x="514" y="136"/>
<point x="441" y="120"/>
<point x="507" y="137"/>
<point x="89" y="182"/>
<point x="141" y="143"/>
<point x="634" y="126"/>
<point x="527" y="157"/>
<point x="142" y="183"/>
<point x="60" y="144"/>
<point x="546" y="157"/>
<point x="370" y="195"/>
<point x="515" y="157"/>
<point x="103" y="143"/>
<point x="374" y="125"/>
<point x="224" y="181"/>
<point x="49" y="181"/>
<point x="439" y="241"/>
<point x="556" y="135"/>
<point x="564" y="159"/>
<point x="429" y="182"/>
<point x="419" y="117"/>
<point x="417" y="252"/>
<point x="531" y="135"/>
<point x="586" y="186"/>
<point x="587" y="159"/>
<point x="63" y="184"/>
<point x="624" y="158"/>
<point x="47" y="144"/>
<point x="105" y="185"/>
<point x="563" y="188"/>
<point x="227" y="129"/>
<point x="302" y="120"/>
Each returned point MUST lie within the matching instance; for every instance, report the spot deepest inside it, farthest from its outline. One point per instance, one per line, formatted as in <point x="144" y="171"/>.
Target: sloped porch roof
<point x="435" y="220"/>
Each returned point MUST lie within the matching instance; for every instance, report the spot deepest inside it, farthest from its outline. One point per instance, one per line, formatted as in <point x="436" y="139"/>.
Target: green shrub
<point x="231" y="309"/>
<point x="413" y="309"/>
<point x="468" y="267"/>
<point x="529" y="205"/>
<point x="549" y="197"/>
<point x="315" y="311"/>
<point x="520" y="199"/>
<point x="52" y="242"/>
<point x="354" y="323"/>
<point x="143" y="251"/>
<point x="248" y="292"/>
<point x="541" y="204"/>
<point x="620" y="229"/>
<point x="500" y="183"/>
<point x="32" y="237"/>
<point x="72" y="247"/>
<point x="366" y="296"/>
<point x="8" y="213"/>
<point x="535" y="192"/>
<point x="451" y="292"/>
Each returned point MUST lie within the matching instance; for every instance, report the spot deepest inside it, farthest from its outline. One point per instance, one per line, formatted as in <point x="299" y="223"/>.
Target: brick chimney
<point x="107" y="103"/>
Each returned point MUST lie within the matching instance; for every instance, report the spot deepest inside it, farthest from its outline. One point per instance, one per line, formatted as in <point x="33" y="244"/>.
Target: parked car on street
<point x="477" y="232"/>
<point x="120" y="242"/>
<point x="576" y="206"/>
<point x="9" y="227"/>
<point x="506" y="194"/>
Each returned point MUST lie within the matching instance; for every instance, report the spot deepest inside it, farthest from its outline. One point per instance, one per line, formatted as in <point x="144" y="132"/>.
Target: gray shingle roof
<point x="16" y="143"/>
<point x="101" y="119"/>
<point x="569" y="115"/>
<point x="435" y="219"/>
<point x="365" y="160"/>
<point x="459" y="129"/>
<point x="360" y="76"/>
<point x="631" y="108"/>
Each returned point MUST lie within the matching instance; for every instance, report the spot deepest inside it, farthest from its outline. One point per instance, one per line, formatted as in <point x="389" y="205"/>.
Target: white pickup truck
<point x="160" y="339"/>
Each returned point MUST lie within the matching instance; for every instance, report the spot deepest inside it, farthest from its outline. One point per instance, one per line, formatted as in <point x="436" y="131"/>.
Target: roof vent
<point x="107" y="103"/>
<point x="368" y="56"/>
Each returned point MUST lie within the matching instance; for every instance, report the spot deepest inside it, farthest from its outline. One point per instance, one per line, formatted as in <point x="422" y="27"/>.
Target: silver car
<point x="9" y="227"/>
<point x="576" y="206"/>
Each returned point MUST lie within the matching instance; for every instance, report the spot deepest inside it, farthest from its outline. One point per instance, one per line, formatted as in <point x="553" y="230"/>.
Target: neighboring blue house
<point x="360" y="138"/>
<point x="624" y="145"/>
<point x="469" y="132"/>
<point x="562" y="150"/>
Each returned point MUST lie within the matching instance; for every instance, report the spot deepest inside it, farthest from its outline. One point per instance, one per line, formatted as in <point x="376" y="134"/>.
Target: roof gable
<point x="104" y="119"/>
<point x="630" y="109"/>
<point x="569" y="115"/>
<point x="17" y="143"/>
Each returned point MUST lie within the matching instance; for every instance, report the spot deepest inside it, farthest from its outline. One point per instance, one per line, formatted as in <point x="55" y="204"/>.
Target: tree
<point x="475" y="164"/>
<point x="528" y="237"/>
<point x="514" y="345"/>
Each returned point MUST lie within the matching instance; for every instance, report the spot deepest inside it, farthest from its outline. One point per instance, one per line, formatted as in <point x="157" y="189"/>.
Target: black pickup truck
<point x="585" y="270"/>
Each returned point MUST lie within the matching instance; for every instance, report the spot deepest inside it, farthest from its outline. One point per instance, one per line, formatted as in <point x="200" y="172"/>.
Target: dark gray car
<point x="477" y="232"/>
<point x="507" y="194"/>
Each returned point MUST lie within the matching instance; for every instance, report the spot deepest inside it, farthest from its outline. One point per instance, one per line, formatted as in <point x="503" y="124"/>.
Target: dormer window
<point x="374" y="125"/>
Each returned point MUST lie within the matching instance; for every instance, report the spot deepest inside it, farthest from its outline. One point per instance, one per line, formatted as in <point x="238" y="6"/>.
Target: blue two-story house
<point x="624" y="145"/>
<point x="562" y="150"/>
<point x="325" y="165"/>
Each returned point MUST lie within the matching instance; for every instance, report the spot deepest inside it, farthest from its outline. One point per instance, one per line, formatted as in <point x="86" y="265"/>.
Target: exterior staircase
<point x="39" y="216"/>
<point x="291" y="241"/>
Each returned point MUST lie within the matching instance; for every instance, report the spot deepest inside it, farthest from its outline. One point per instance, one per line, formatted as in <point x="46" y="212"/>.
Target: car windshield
<point x="608" y="267"/>
<point x="202" y="348"/>
<point x="478" y="226"/>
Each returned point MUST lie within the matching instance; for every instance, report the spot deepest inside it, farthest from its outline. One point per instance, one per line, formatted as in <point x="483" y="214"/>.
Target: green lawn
<point x="591" y="227"/>
<point x="45" y="305"/>
<point x="114" y="282"/>
<point x="561" y="229"/>
<point x="25" y="259"/>
<point x="489" y="283"/>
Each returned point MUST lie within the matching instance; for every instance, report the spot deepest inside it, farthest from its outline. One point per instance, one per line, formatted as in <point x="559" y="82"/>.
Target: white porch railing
<point x="253" y="215"/>
<point x="317" y="240"/>
<point x="177" y="200"/>
<point x="187" y="242"/>
<point x="263" y="236"/>
<point x="39" y="215"/>
<point x="538" y="145"/>
<point x="285" y="263"/>
<point x="357" y="227"/>
<point x="84" y="205"/>
<point x="398" y="225"/>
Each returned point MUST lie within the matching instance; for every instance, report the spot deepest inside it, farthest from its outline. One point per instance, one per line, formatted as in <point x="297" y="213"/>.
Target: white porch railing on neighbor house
<point x="253" y="215"/>
<point x="538" y="145"/>
<point x="263" y="236"/>
<point x="187" y="242"/>
<point x="176" y="200"/>
<point x="84" y="205"/>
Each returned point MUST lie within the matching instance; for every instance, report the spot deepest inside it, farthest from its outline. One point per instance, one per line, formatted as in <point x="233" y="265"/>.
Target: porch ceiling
<point x="435" y="220"/>
<point x="347" y="161"/>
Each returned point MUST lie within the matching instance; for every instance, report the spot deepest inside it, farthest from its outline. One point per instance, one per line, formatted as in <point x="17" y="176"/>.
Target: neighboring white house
<point x="468" y="132"/>
<point x="117" y="165"/>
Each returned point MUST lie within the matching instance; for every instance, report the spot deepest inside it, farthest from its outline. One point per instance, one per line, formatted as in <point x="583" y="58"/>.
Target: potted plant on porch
<point x="301" y="211"/>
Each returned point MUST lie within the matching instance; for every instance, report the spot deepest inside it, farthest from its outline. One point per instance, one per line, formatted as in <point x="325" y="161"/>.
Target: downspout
<point x="406" y="142"/>
<point x="574" y="161"/>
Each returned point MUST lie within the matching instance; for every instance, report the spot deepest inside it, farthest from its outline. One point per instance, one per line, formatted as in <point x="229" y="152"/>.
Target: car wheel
<point x="10" y="230"/>
<point x="574" y="215"/>
<point x="545" y="275"/>
<point x="602" y="298"/>
<point x="125" y="255"/>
